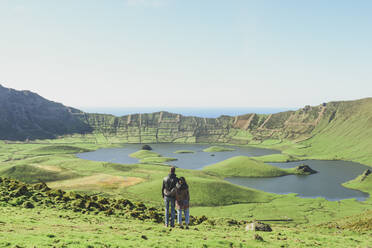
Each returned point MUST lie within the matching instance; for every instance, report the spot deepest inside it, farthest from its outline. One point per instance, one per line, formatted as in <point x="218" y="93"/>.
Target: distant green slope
<point x="344" y="133"/>
<point x="242" y="166"/>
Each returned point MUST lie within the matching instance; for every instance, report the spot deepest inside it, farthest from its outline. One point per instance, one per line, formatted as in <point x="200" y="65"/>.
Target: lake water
<point x="326" y="183"/>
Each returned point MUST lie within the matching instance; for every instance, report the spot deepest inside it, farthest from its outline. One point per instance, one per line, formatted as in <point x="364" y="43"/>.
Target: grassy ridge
<point x="218" y="149"/>
<point x="203" y="192"/>
<point x="345" y="133"/>
<point x="362" y="182"/>
<point x="184" y="151"/>
<point x="243" y="166"/>
<point x="33" y="174"/>
<point x="144" y="154"/>
<point x="277" y="158"/>
<point x="150" y="157"/>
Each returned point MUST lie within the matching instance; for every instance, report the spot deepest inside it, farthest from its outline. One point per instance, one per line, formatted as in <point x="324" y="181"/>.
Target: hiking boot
<point x="181" y="226"/>
<point x="187" y="227"/>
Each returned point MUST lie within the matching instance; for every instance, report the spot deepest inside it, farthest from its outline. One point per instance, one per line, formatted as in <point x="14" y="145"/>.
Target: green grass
<point x="363" y="183"/>
<point x="203" y="192"/>
<point x="242" y="166"/>
<point x="184" y="151"/>
<point x="210" y="196"/>
<point x="218" y="149"/>
<point x="65" y="149"/>
<point x="141" y="154"/>
<point x="150" y="160"/>
<point x="150" y="157"/>
<point x="277" y="158"/>
<point x="61" y="228"/>
<point x="32" y="174"/>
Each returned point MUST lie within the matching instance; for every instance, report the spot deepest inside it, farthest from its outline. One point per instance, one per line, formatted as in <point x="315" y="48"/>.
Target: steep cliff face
<point x="26" y="115"/>
<point x="167" y="127"/>
<point x="161" y="127"/>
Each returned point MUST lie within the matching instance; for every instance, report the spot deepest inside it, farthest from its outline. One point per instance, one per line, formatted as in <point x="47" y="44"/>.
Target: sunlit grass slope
<point x="144" y="154"/>
<point x="150" y="157"/>
<point x="203" y="192"/>
<point x="344" y="133"/>
<point x="218" y="149"/>
<point x="362" y="182"/>
<point x="243" y="166"/>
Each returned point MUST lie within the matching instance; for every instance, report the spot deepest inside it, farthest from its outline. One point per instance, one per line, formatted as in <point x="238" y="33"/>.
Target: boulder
<point x="305" y="169"/>
<point x="365" y="174"/>
<point x="146" y="147"/>
<point x="258" y="226"/>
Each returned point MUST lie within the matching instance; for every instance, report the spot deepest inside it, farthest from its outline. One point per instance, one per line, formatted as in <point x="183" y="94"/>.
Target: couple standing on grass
<point x="175" y="191"/>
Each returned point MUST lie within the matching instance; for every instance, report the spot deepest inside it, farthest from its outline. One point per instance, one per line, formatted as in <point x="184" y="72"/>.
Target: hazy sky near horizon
<point x="207" y="53"/>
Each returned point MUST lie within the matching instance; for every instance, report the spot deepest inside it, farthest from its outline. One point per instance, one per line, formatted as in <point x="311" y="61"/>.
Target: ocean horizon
<point x="191" y="111"/>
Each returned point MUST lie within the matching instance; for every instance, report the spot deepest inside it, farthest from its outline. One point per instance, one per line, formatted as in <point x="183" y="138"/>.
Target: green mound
<point x="205" y="192"/>
<point x="242" y="166"/>
<point x="363" y="182"/>
<point x="55" y="149"/>
<point x="150" y="160"/>
<point x="32" y="174"/>
<point x="218" y="149"/>
<point x="277" y="158"/>
<point x="184" y="151"/>
<point x="149" y="157"/>
<point x="144" y="154"/>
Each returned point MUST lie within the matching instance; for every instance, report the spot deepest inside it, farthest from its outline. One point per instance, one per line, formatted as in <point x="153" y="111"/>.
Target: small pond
<point x="326" y="183"/>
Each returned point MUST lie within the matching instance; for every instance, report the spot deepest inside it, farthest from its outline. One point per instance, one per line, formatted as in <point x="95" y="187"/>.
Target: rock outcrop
<point x="365" y="174"/>
<point x="305" y="170"/>
<point x="258" y="226"/>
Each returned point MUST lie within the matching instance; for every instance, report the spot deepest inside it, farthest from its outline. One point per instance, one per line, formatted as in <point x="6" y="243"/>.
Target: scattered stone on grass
<point x="258" y="226"/>
<point x="257" y="237"/>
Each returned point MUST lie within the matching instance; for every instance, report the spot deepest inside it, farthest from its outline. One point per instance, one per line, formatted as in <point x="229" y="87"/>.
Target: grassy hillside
<point x="344" y="133"/>
<point x="34" y="215"/>
<point x="302" y="222"/>
<point x="242" y="166"/>
<point x="218" y="149"/>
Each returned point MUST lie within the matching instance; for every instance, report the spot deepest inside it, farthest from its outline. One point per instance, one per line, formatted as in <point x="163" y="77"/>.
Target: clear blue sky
<point x="208" y="53"/>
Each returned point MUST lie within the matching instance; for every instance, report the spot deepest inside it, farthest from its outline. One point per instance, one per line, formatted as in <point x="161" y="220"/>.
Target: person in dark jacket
<point x="168" y="192"/>
<point x="182" y="201"/>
